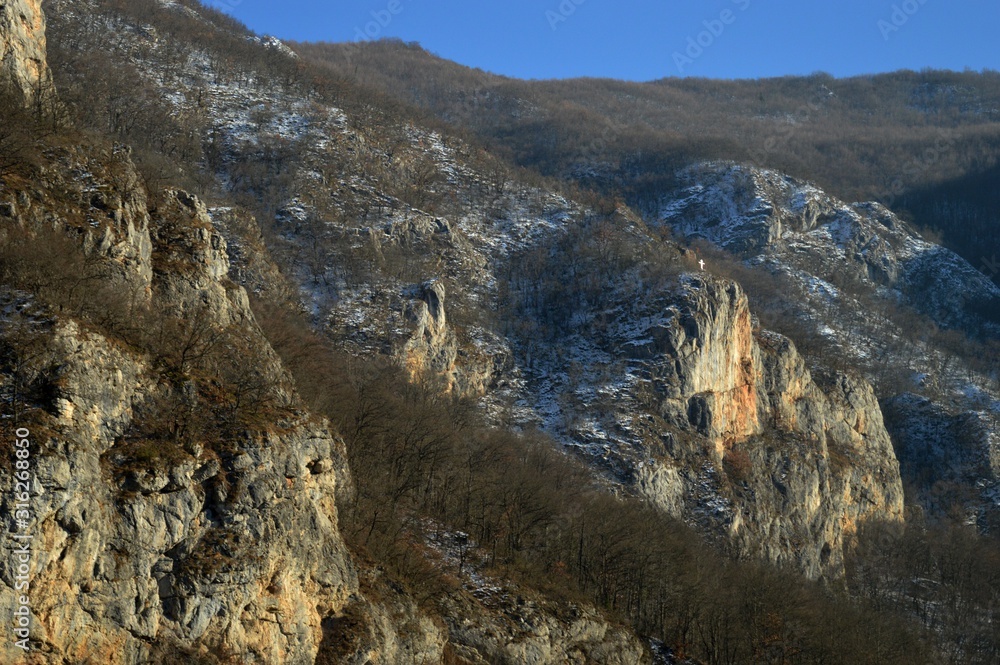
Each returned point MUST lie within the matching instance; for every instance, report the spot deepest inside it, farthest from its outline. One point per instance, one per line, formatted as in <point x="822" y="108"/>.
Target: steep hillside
<point x="773" y="219"/>
<point x="914" y="142"/>
<point x="185" y="498"/>
<point x="472" y="240"/>
<point x="858" y="284"/>
<point x="449" y="262"/>
<point x="315" y="377"/>
<point x="148" y="529"/>
<point x="182" y="499"/>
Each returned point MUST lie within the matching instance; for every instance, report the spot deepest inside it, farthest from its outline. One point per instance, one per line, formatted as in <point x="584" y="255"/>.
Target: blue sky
<point x="649" y="39"/>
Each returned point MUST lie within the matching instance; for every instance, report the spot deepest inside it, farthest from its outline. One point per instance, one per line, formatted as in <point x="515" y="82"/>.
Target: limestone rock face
<point x="190" y="251"/>
<point x="23" y="64"/>
<point x="238" y="553"/>
<point x="142" y="549"/>
<point x="391" y="630"/>
<point x="712" y="364"/>
<point x="802" y="461"/>
<point x="505" y="626"/>
<point x="432" y="348"/>
<point x="434" y="352"/>
<point x="524" y="631"/>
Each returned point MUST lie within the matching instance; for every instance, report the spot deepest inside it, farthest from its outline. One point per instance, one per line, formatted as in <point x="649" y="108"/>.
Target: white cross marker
<point x="702" y="264"/>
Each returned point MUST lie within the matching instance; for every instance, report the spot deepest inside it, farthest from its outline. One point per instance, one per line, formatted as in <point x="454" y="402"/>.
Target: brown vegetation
<point x="423" y="463"/>
<point x="927" y="144"/>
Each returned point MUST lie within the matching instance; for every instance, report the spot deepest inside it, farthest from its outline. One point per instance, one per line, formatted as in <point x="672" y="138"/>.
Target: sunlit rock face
<point x="795" y="464"/>
<point x="23" y="65"/>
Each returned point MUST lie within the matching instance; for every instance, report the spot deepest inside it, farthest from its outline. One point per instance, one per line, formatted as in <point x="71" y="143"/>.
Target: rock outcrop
<point x="797" y="466"/>
<point x="147" y="548"/>
<point x="192" y="252"/>
<point x="23" y="64"/>
<point x="432" y="349"/>
<point x="139" y="549"/>
<point x="711" y="366"/>
<point x="434" y="352"/>
<point x="144" y="547"/>
<point x="524" y="631"/>
<point x="764" y="215"/>
<point x="496" y="623"/>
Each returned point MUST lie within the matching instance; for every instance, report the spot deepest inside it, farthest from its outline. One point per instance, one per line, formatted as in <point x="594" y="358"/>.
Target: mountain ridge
<point x="479" y="393"/>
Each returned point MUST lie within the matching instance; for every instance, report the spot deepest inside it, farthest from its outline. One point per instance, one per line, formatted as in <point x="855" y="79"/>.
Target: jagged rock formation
<point x="23" y="65"/>
<point x="236" y="549"/>
<point x="847" y="268"/>
<point x="795" y="466"/>
<point x="138" y="551"/>
<point x="147" y="548"/>
<point x="433" y="348"/>
<point x="434" y="353"/>
<point x="505" y="627"/>
<point x="203" y="549"/>
<point x="790" y="224"/>
<point x="188" y="247"/>
<point x="233" y="550"/>
<point x="528" y="632"/>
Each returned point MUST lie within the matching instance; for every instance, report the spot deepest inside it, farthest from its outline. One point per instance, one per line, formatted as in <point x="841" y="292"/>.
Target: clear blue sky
<point x="649" y="39"/>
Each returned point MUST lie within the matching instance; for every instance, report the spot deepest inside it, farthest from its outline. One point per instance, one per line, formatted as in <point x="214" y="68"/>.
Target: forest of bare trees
<point x="922" y="143"/>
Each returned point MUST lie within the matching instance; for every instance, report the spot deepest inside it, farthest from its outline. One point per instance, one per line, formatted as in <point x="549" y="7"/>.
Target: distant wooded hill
<point x="927" y="143"/>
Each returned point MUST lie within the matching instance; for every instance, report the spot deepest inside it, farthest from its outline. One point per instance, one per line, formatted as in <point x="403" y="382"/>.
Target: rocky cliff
<point x="144" y="546"/>
<point x="183" y="502"/>
<point x="23" y="64"/>
<point x="864" y="286"/>
<point x="789" y="466"/>
<point x="788" y="224"/>
<point x="139" y="550"/>
<point x="206" y="547"/>
<point x="224" y="541"/>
